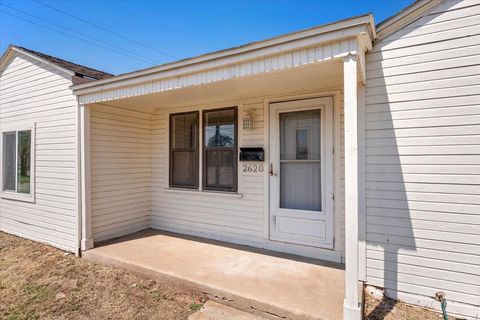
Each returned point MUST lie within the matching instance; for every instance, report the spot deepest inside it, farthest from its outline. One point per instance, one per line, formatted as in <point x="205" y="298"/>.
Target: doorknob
<point x="271" y="170"/>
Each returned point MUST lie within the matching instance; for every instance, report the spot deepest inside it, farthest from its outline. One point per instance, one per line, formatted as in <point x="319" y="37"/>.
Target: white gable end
<point x="32" y="91"/>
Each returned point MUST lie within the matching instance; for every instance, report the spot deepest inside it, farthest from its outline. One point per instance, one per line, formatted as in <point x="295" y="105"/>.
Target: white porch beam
<point x="364" y="44"/>
<point x="86" y="241"/>
<point x="361" y="62"/>
<point x="352" y="308"/>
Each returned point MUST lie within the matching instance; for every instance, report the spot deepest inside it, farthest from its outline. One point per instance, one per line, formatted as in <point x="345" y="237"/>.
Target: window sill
<point x="205" y="192"/>
<point x="17" y="196"/>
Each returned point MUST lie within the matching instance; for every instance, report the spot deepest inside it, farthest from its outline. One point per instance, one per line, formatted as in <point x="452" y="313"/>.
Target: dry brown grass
<point x="38" y="281"/>
<point x="390" y="309"/>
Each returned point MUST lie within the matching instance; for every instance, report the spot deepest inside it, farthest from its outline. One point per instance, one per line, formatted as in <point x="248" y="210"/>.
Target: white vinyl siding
<point x="33" y="92"/>
<point x="228" y="218"/>
<point x="120" y="171"/>
<point x="423" y="159"/>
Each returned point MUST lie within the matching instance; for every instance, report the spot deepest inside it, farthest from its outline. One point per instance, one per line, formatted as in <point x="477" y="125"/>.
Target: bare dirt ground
<point x="41" y="282"/>
<point x="390" y="309"/>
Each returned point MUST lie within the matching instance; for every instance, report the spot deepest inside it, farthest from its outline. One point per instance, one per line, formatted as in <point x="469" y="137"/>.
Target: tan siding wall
<point x="423" y="159"/>
<point x="31" y="91"/>
<point x="120" y="167"/>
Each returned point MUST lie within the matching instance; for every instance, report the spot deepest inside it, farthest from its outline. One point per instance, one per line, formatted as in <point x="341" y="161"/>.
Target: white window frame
<point x="14" y="195"/>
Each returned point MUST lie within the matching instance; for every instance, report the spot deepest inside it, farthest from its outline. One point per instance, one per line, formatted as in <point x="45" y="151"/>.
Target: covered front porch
<point x="299" y="99"/>
<point x="262" y="282"/>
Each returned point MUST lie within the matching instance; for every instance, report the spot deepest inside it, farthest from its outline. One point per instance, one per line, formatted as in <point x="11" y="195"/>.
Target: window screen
<point x="23" y="161"/>
<point x="184" y="150"/>
<point x="300" y="160"/>
<point x="220" y="149"/>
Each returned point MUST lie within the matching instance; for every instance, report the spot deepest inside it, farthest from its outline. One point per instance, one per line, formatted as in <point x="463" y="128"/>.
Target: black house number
<point x="252" y="168"/>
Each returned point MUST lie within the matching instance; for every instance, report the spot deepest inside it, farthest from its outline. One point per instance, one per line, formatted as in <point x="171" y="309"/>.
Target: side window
<point x="17" y="161"/>
<point x="9" y="161"/>
<point x="220" y="149"/>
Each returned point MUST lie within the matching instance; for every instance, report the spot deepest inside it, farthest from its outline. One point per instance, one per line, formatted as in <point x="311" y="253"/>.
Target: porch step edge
<point x="217" y="311"/>
<point x="264" y="309"/>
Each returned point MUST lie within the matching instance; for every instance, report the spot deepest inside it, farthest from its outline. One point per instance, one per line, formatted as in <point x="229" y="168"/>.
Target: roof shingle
<point x="82" y="73"/>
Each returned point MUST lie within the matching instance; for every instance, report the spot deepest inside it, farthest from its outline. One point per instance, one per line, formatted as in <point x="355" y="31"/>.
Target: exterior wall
<point x="31" y="91"/>
<point x="422" y="159"/>
<point x="232" y="218"/>
<point x="211" y="215"/>
<point x="120" y="171"/>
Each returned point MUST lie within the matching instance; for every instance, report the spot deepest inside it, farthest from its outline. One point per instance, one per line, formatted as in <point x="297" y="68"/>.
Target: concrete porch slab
<point x="256" y="281"/>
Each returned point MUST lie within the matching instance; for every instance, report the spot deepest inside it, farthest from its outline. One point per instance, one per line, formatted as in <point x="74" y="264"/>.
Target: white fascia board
<point x="404" y="17"/>
<point x="12" y="51"/>
<point x="350" y="28"/>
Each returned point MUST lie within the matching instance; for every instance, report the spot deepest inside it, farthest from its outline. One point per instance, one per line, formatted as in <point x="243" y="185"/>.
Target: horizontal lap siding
<point x="423" y="159"/>
<point x="226" y="218"/>
<point x="120" y="171"/>
<point x="33" y="92"/>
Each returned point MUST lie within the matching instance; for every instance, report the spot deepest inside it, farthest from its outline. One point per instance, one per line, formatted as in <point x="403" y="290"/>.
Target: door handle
<point x="271" y="170"/>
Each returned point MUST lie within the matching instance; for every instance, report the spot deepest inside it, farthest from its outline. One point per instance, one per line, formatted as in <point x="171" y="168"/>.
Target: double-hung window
<point x="184" y="150"/>
<point x="17" y="163"/>
<point x="218" y="150"/>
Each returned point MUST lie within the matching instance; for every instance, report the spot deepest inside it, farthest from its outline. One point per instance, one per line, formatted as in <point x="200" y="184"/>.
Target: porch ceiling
<point x="312" y="77"/>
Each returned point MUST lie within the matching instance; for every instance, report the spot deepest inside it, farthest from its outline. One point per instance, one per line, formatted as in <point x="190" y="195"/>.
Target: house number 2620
<point x="252" y="168"/>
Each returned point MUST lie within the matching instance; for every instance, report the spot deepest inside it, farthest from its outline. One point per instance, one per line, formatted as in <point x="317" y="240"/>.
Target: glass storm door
<point x="301" y="172"/>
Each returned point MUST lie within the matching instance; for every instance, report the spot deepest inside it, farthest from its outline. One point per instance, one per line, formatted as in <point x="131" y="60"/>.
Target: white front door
<point x="301" y="172"/>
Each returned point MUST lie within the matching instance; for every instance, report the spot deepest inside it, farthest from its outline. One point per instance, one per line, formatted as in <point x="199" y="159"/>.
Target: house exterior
<point x="347" y="142"/>
<point x="422" y="120"/>
<point x="38" y="121"/>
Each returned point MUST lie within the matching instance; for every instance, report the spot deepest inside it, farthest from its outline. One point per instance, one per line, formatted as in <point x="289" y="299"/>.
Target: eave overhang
<point x="331" y="41"/>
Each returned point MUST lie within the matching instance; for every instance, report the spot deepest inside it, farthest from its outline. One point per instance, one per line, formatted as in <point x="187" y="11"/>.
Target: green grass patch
<point x="195" y="306"/>
<point x="38" y="293"/>
<point x="21" y="313"/>
<point x="157" y="296"/>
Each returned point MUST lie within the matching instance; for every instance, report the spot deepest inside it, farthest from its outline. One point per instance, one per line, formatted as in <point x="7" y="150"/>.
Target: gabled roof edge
<point x="14" y="49"/>
<point x="79" y="73"/>
<point x="404" y="17"/>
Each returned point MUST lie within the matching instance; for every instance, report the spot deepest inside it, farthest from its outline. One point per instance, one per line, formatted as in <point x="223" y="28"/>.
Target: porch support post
<point x="86" y="241"/>
<point x="352" y="307"/>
